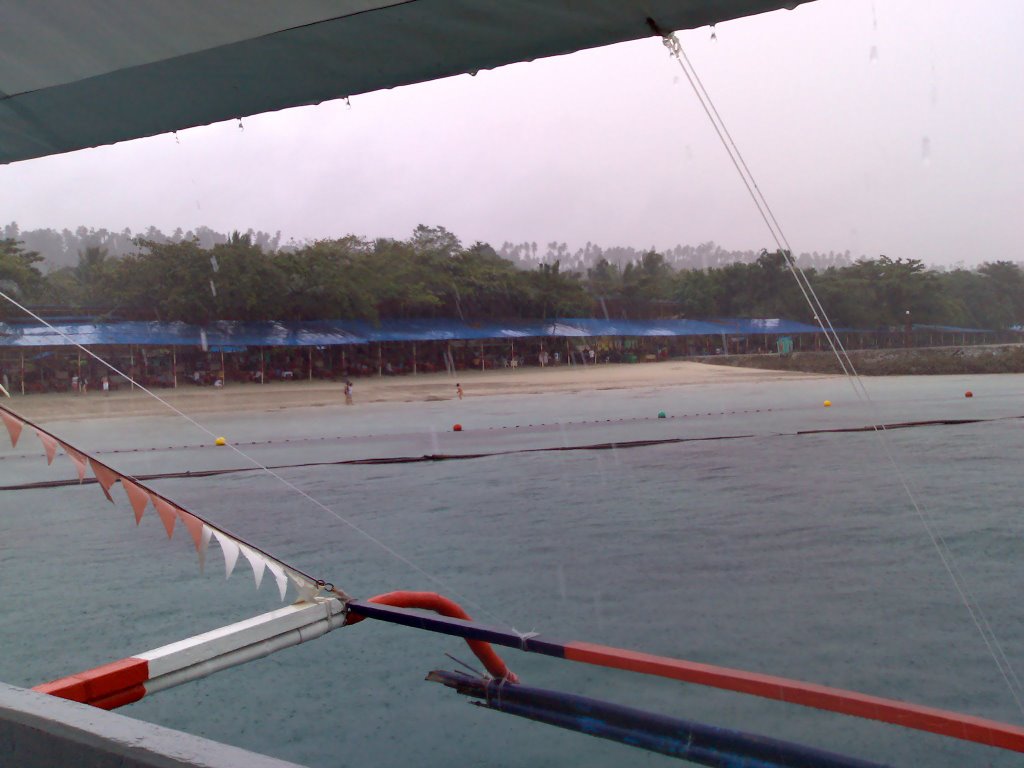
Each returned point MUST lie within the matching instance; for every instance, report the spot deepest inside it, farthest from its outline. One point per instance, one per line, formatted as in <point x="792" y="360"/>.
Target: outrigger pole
<point x="682" y="739"/>
<point x="914" y="716"/>
<point x="128" y="680"/>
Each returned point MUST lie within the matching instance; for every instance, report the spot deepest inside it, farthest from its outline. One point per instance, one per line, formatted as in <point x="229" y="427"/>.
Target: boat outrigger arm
<point x="128" y="680"/>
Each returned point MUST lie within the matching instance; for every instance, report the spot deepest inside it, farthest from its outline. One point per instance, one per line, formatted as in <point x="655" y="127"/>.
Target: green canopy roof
<point x="82" y="73"/>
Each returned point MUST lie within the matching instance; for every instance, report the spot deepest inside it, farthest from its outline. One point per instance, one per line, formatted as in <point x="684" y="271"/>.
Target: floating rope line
<point x="350" y="438"/>
<point x="995" y="649"/>
<point x="438" y="457"/>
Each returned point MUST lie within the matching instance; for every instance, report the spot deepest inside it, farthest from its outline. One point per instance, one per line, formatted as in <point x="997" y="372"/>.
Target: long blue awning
<point x="326" y="333"/>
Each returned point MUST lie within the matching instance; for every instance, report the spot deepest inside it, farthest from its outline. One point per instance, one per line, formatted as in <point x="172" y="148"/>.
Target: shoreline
<point x="428" y="387"/>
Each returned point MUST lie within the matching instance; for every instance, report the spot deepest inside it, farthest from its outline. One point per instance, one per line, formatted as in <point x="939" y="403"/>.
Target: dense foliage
<point x="433" y="275"/>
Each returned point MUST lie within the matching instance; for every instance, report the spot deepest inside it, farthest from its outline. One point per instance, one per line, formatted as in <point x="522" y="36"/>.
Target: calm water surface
<point x="797" y="555"/>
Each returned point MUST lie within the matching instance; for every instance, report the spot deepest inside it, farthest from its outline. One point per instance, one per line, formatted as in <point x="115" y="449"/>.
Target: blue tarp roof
<point x="230" y="335"/>
<point x="948" y="329"/>
<point x="774" y="325"/>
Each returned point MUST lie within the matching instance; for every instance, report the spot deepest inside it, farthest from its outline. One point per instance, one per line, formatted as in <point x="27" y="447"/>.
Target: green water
<point x="796" y="555"/>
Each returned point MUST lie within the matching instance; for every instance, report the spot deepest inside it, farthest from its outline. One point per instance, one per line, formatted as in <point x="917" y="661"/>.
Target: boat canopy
<point x="93" y="72"/>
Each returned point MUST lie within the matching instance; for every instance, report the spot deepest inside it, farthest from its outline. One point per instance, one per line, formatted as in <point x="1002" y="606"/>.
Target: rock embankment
<point x="926" y="361"/>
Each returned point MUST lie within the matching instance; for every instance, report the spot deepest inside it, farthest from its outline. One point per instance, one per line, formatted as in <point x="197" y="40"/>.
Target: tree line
<point x="432" y="275"/>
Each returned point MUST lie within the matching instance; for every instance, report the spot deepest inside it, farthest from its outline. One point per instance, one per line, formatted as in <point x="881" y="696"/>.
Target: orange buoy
<point x="827" y="404"/>
<point x="457" y="428"/>
<point x="968" y="393"/>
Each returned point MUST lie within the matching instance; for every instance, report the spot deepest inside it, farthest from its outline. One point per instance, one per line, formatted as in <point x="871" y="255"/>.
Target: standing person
<point x="458" y="390"/>
<point x="105" y="383"/>
<point x="348" y="392"/>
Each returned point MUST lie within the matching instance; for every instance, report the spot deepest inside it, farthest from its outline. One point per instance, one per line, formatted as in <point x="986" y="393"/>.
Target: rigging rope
<point x="991" y="641"/>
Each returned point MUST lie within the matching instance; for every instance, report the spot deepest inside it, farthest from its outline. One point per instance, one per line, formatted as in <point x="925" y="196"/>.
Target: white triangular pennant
<point x="306" y="589"/>
<point x="204" y="545"/>
<point x="256" y="560"/>
<point x="230" y="549"/>
<point x="278" y="573"/>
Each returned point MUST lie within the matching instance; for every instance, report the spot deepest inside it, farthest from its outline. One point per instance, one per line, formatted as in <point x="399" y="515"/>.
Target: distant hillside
<point x="62" y="249"/>
<point x="704" y="256"/>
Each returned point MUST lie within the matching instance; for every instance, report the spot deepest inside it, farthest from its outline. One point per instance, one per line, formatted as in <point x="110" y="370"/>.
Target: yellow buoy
<point x="827" y="403"/>
<point x="220" y="441"/>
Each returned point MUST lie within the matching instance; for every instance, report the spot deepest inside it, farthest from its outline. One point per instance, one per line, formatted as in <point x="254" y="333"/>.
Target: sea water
<point x="754" y="547"/>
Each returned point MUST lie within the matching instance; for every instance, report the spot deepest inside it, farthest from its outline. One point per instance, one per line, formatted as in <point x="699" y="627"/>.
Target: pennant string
<point x="200" y="530"/>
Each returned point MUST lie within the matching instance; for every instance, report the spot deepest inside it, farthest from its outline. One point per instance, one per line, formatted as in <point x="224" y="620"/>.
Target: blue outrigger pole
<point x="684" y="739"/>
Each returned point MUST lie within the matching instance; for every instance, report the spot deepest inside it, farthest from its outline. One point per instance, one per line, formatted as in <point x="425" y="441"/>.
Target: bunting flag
<point x="13" y="425"/>
<point x="49" y="444"/>
<point x="80" y="460"/>
<point x="230" y="549"/>
<point x="204" y="545"/>
<point x="200" y="531"/>
<point x="138" y="497"/>
<point x="105" y="476"/>
<point x="256" y="560"/>
<point x="168" y="513"/>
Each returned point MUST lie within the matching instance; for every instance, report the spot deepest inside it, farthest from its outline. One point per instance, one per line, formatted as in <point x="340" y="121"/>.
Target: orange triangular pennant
<point x="138" y="497"/>
<point x="79" y="458"/>
<point x="14" y="425"/>
<point x="194" y="526"/>
<point x="168" y="513"/>
<point x="106" y="477"/>
<point x="49" y="444"/>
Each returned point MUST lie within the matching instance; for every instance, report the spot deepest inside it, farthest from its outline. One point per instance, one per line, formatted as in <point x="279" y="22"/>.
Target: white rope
<point x="361" y="531"/>
<point x="977" y="615"/>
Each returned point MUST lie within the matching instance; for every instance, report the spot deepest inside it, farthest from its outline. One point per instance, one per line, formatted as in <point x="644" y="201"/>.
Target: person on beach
<point x="458" y="390"/>
<point x="348" y="392"/>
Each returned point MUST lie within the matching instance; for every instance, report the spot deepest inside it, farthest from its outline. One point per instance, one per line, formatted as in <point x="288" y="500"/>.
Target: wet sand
<point x="255" y="398"/>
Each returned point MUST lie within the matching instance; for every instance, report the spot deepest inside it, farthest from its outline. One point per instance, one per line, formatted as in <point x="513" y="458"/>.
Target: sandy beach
<point x="257" y="398"/>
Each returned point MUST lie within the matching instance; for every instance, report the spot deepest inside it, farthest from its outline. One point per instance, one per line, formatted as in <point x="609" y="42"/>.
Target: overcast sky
<point x="884" y="126"/>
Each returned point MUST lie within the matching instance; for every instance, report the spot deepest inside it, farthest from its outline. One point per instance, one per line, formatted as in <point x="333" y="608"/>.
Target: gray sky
<point x="892" y="126"/>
